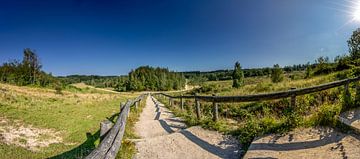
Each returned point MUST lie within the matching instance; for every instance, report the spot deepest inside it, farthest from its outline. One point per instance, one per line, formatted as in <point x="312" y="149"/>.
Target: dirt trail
<point x="351" y="118"/>
<point x="165" y="136"/>
<point x="318" y="142"/>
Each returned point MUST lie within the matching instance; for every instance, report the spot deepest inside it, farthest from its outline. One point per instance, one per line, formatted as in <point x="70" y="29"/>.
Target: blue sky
<point x="109" y="37"/>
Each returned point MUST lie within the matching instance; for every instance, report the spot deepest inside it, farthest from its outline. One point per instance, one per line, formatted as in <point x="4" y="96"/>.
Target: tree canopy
<point x="154" y="79"/>
<point x="27" y="72"/>
<point x="354" y="44"/>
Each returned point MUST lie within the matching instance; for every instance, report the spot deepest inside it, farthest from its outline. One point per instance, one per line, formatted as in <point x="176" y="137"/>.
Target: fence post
<point x="182" y="102"/>
<point x="170" y="103"/>
<point x="105" y="126"/>
<point x="136" y="104"/>
<point x="216" y="109"/>
<point x="293" y="99"/>
<point x="197" y="103"/>
<point x="122" y="104"/>
<point x="347" y="96"/>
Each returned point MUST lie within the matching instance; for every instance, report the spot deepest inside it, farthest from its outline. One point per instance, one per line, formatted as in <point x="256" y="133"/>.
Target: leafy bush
<point x="277" y="74"/>
<point x="238" y="76"/>
<point x="323" y="66"/>
<point x="327" y="114"/>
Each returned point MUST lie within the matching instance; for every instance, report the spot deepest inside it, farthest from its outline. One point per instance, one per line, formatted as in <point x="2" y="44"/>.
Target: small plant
<point x="308" y="72"/>
<point x="58" y="88"/>
<point x="277" y="74"/>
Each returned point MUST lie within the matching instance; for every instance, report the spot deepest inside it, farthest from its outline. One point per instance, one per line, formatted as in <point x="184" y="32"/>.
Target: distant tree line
<point x="220" y="75"/>
<point x="140" y="79"/>
<point x="154" y="79"/>
<point x="93" y="80"/>
<point x="26" y="72"/>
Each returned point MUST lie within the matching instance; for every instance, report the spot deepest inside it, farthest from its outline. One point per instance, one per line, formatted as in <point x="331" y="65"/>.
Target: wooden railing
<point x="292" y="93"/>
<point x="111" y="142"/>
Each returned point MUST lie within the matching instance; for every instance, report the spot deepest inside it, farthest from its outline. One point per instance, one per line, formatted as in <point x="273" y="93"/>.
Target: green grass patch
<point x="75" y="115"/>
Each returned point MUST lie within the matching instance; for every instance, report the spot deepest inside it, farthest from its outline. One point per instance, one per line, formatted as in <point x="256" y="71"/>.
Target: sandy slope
<point x="165" y="136"/>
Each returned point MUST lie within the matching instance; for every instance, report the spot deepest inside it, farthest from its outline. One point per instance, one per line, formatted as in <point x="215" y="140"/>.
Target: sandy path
<point x="165" y="136"/>
<point x="319" y="143"/>
<point x="351" y="118"/>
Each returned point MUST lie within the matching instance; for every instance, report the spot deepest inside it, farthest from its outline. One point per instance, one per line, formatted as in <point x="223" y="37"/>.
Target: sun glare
<point x="356" y="11"/>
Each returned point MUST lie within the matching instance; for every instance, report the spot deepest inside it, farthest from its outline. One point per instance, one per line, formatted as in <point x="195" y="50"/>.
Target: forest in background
<point x="29" y="72"/>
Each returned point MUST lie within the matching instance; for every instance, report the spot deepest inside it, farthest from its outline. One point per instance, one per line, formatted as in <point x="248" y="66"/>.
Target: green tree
<point x="31" y="65"/>
<point x="323" y="66"/>
<point x="308" y="72"/>
<point x="149" y="78"/>
<point x="277" y="74"/>
<point x="354" y="45"/>
<point x="237" y="76"/>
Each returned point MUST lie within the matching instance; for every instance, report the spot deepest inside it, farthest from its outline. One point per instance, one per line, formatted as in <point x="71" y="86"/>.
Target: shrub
<point x="277" y="74"/>
<point x="327" y="114"/>
<point x="238" y="76"/>
<point x="58" y="88"/>
<point x="308" y="72"/>
<point x="323" y="66"/>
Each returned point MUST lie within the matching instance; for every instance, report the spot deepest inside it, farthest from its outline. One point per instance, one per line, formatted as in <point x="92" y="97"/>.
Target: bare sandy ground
<point x="351" y="118"/>
<point x="306" y="143"/>
<point x="165" y="136"/>
<point x="27" y="136"/>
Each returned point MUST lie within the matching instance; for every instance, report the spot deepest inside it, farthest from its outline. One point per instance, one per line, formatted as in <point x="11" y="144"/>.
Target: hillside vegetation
<point x="39" y="123"/>
<point x="250" y="119"/>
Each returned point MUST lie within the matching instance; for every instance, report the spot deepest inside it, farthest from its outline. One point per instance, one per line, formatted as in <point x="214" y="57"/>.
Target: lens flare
<point x="356" y="11"/>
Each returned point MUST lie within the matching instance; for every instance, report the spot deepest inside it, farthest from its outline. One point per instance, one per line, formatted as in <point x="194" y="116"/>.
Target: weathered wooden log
<point x="197" y="106"/>
<point x="105" y="126"/>
<point x="108" y="140"/>
<point x="215" y="110"/>
<point x="182" y="103"/>
<point x="114" y="149"/>
<point x="293" y="99"/>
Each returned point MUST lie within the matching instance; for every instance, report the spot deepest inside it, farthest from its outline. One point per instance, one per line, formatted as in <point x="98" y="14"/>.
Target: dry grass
<point x="255" y="85"/>
<point x="74" y="116"/>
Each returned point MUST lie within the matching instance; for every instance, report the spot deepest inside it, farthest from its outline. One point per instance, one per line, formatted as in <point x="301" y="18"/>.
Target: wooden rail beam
<point x="269" y="96"/>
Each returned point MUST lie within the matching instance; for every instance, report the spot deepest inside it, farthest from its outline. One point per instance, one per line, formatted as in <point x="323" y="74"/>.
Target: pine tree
<point x="238" y="76"/>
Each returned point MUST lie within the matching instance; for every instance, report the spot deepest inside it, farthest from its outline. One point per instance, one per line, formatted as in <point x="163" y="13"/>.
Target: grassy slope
<point x="247" y="120"/>
<point x="76" y="114"/>
<point x="255" y="85"/>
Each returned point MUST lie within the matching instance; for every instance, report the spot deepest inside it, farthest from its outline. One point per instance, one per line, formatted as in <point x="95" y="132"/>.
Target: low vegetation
<point x="74" y="117"/>
<point x="250" y="119"/>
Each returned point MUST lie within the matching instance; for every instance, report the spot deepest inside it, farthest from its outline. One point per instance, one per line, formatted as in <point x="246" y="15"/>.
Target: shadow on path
<point x="327" y="138"/>
<point x="198" y="141"/>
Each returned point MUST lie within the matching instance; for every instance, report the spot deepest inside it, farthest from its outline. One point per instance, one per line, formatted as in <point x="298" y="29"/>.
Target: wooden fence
<point x="111" y="142"/>
<point x="292" y="93"/>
